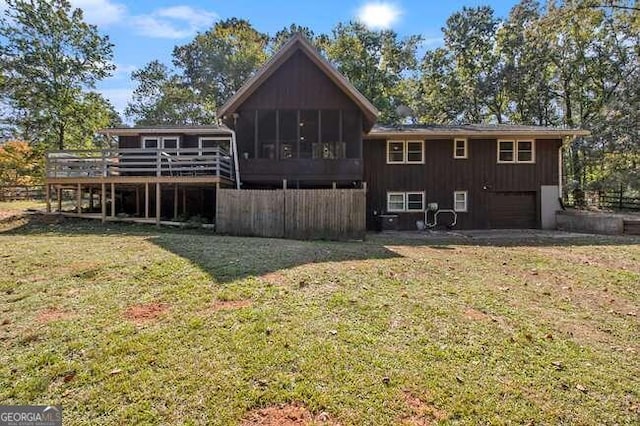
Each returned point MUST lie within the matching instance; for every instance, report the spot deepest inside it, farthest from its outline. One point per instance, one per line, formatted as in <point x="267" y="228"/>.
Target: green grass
<point x="505" y="333"/>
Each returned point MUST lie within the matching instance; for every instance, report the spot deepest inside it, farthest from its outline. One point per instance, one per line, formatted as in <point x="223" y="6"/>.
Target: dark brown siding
<point x="298" y="85"/>
<point x="441" y="175"/>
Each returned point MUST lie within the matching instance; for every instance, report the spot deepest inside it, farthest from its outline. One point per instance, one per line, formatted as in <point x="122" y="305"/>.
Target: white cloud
<point x="101" y="12"/>
<point x="173" y="22"/>
<point x="379" y="15"/>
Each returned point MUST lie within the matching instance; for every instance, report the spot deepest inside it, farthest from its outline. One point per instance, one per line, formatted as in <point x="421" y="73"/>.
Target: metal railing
<point x="213" y="161"/>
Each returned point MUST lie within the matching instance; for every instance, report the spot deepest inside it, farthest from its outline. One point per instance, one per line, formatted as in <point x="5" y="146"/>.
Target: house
<point x="299" y="124"/>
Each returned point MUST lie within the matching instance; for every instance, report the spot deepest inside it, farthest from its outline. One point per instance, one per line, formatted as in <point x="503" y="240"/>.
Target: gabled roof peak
<point x="299" y="42"/>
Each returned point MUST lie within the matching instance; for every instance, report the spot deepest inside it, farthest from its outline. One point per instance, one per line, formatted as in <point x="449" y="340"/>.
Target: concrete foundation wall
<point x="593" y="223"/>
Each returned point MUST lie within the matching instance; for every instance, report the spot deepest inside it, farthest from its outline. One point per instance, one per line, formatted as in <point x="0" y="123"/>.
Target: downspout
<point x="234" y="148"/>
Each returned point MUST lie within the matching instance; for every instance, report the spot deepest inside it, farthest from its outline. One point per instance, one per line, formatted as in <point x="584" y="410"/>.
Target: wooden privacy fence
<point x="332" y="214"/>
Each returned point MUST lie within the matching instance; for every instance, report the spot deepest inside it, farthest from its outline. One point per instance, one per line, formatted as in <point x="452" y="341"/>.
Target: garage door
<point x="515" y="210"/>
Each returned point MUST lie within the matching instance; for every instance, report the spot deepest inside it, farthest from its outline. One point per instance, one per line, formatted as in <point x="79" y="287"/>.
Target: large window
<point x="267" y="134"/>
<point x="308" y="132"/>
<point x="289" y="134"/>
<point x="208" y="144"/>
<point x="405" y="152"/>
<point x="516" y="151"/>
<point x="405" y="201"/>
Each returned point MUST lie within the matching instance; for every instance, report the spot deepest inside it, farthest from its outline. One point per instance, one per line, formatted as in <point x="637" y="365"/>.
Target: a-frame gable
<point x="298" y="49"/>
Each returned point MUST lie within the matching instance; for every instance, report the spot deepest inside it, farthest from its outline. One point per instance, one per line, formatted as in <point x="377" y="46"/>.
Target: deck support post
<point x="158" y="203"/>
<point x="175" y="201"/>
<point x="284" y="184"/>
<point x="79" y="199"/>
<point x="137" y="200"/>
<point x="103" y="202"/>
<point x="184" y="201"/>
<point x="47" y="189"/>
<point x="91" y="198"/>
<point x="334" y="185"/>
<point x="146" y="200"/>
<point x="59" y="196"/>
<point x="113" y="200"/>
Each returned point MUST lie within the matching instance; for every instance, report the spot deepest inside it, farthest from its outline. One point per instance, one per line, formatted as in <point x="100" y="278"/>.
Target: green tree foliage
<point x="377" y="63"/>
<point x="217" y="62"/>
<point x="50" y="58"/>
<point x="161" y="97"/>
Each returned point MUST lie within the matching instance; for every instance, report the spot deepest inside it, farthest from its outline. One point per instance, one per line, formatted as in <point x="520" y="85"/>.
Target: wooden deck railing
<point x="140" y="162"/>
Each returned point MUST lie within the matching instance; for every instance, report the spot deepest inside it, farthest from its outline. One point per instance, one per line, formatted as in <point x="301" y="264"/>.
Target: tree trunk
<point x="61" y="136"/>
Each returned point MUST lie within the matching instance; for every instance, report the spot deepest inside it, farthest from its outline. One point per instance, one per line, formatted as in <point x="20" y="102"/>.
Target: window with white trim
<point x="405" y="152"/>
<point x="165" y="142"/>
<point x="395" y="201"/>
<point x="150" y="143"/>
<point x="395" y="152"/>
<point x="460" y="201"/>
<point x="460" y="149"/>
<point x="516" y="151"/>
<point x="415" y="201"/>
<point x="415" y="152"/>
<point x="405" y="201"/>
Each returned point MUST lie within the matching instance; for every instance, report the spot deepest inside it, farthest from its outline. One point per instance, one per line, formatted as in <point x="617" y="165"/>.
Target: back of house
<point x="298" y="124"/>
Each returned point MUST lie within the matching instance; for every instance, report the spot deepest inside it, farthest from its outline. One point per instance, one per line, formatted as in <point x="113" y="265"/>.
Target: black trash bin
<point x="389" y="222"/>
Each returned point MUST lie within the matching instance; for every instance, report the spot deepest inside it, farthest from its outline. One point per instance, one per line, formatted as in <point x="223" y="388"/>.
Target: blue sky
<point x="144" y="30"/>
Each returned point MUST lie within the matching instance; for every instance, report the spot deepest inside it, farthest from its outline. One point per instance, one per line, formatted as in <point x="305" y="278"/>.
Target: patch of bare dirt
<point x="225" y="305"/>
<point x="476" y="315"/>
<point x="52" y="314"/>
<point x="285" y="415"/>
<point x="422" y="412"/>
<point x="145" y="312"/>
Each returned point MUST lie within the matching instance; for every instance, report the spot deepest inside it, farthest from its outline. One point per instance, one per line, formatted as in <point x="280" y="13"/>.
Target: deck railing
<point x="213" y="161"/>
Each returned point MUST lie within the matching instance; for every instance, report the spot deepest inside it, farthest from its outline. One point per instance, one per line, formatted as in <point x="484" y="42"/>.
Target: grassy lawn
<point x="134" y="325"/>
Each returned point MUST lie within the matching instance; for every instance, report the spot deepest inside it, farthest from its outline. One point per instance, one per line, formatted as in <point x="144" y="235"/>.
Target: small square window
<point x="150" y="143"/>
<point x="395" y="152"/>
<point x="170" y="143"/>
<point x="460" y="148"/>
<point x="506" y="151"/>
<point x="415" y="151"/>
<point x="395" y="201"/>
<point x="525" y="152"/>
<point x="415" y="201"/>
<point x="460" y="201"/>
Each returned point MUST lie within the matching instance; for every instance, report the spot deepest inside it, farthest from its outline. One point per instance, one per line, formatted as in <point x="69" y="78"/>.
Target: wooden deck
<point x="196" y="165"/>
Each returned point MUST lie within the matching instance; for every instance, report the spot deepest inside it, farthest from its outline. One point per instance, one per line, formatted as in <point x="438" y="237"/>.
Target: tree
<point x="376" y="63"/>
<point x="216" y="63"/>
<point x="161" y="97"/>
<point x="282" y="36"/>
<point x="50" y="57"/>
<point x="19" y="164"/>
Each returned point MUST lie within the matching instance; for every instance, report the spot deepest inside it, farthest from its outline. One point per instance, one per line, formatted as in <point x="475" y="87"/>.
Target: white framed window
<point x="415" y="201"/>
<point x="460" y="201"/>
<point x="460" y="149"/>
<point x="525" y="151"/>
<point x="207" y="142"/>
<point x="516" y="151"/>
<point x="415" y="152"/>
<point x="395" y="201"/>
<point x="405" y="152"/>
<point x="150" y="143"/>
<point x="170" y="142"/>
<point x="164" y="142"/>
<point x="405" y="201"/>
<point x="395" y="152"/>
